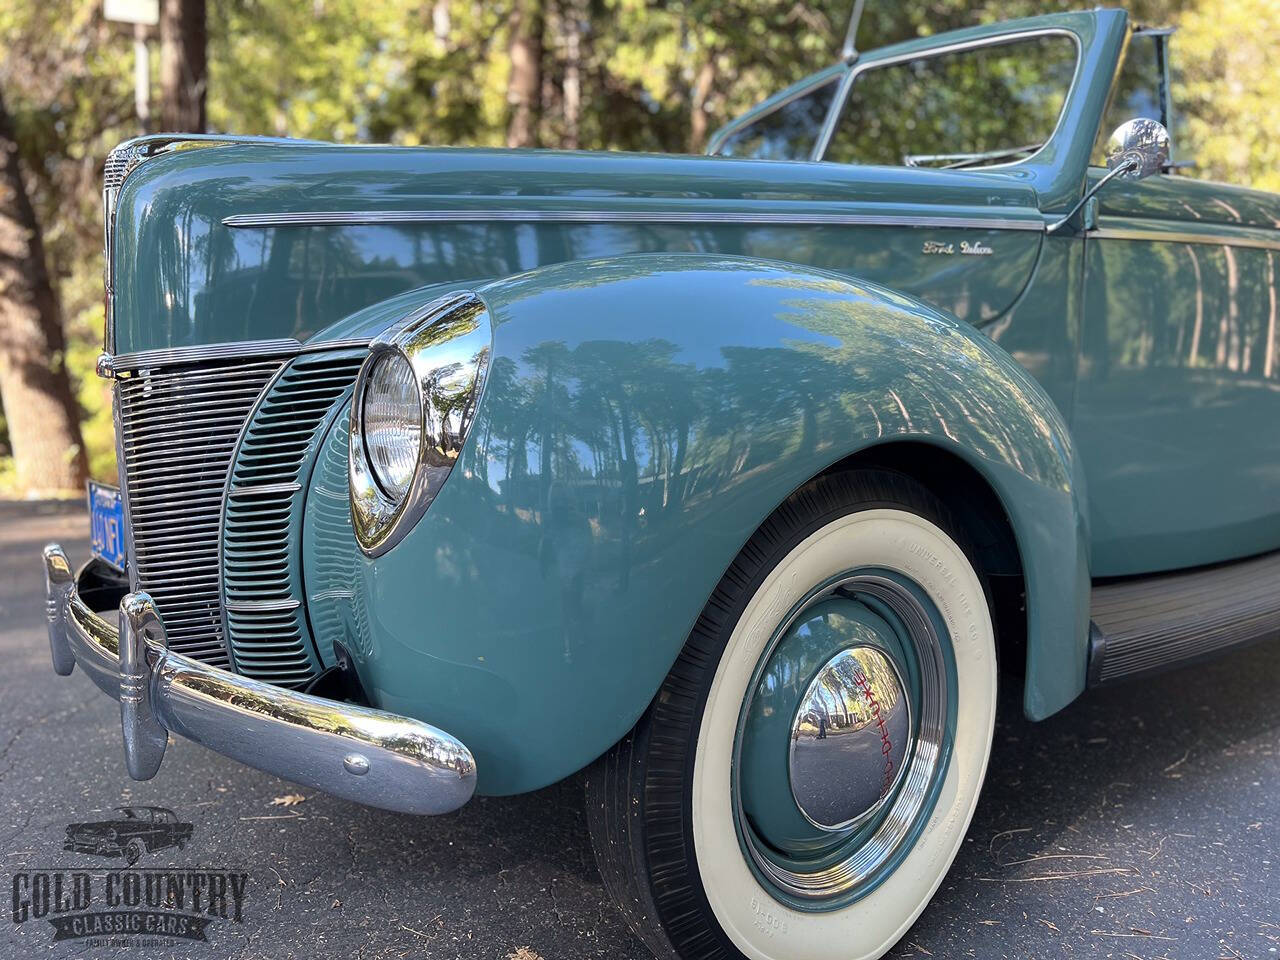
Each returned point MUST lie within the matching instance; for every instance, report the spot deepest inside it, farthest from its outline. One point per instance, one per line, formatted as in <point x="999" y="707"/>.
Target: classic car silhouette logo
<point x="135" y="832"/>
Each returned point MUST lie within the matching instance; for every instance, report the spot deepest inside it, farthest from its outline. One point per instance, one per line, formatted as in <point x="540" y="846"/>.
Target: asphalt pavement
<point x="1141" y="822"/>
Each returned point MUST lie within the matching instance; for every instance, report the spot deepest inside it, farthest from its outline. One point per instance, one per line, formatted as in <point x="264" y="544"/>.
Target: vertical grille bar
<point x="177" y="434"/>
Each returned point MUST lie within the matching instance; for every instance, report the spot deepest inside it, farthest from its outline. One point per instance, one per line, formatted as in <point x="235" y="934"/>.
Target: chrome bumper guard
<point x="369" y="756"/>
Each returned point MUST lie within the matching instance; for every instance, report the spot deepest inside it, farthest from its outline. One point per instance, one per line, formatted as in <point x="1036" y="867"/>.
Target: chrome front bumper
<point x="376" y="758"/>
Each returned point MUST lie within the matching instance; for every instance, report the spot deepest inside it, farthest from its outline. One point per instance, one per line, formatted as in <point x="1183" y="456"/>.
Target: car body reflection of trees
<point x="599" y="445"/>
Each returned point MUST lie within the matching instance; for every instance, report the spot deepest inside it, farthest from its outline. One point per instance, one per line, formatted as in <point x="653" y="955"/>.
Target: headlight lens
<point x="414" y="403"/>
<point x="392" y="424"/>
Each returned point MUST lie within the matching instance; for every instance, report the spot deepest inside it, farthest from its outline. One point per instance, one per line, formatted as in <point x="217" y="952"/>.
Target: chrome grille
<point x="261" y="574"/>
<point x="177" y="432"/>
<point x="119" y="163"/>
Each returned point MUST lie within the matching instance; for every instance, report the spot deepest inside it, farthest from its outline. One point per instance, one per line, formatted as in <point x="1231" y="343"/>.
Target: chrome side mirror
<point x="1138" y="149"/>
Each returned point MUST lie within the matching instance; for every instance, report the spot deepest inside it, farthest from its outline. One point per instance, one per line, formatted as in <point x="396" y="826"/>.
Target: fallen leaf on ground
<point x="524" y="953"/>
<point x="288" y="800"/>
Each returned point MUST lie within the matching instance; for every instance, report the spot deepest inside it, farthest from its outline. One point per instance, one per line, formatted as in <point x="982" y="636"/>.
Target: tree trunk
<point x="571" y="23"/>
<point x="441" y="21"/>
<point x="524" y="88"/>
<point x="703" y="85"/>
<point x="44" y="423"/>
<point x="183" y="67"/>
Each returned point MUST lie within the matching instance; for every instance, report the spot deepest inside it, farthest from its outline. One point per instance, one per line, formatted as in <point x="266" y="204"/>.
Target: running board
<point x="1149" y="623"/>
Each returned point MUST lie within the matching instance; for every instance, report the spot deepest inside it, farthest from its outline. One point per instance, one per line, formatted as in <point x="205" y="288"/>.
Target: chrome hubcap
<point x="844" y="739"/>
<point x="849" y="739"/>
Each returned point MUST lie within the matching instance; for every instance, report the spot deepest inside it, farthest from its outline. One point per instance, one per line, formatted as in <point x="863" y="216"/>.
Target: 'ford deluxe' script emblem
<point x="938" y="248"/>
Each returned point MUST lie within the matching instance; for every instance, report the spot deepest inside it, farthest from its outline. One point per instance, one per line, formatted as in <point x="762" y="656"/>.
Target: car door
<point x="1178" y="390"/>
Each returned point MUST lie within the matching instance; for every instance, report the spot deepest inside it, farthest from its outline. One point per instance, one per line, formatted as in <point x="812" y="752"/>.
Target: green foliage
<point x="347" y="70"/>
<point x="1228" y="81"/>
<point x="617" y="74"/>
<point x="84" y="343"/>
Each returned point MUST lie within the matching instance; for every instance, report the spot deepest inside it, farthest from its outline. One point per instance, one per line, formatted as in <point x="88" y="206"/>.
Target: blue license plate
<point x="106" y="525"/>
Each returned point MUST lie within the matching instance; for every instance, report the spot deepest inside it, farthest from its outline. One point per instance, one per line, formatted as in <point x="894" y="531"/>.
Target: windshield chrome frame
<point x="1161" y="37"/>
<point x="999" y="39"/>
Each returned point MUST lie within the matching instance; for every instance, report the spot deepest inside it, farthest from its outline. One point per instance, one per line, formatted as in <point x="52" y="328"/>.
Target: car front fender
<point x="642" y="416"/>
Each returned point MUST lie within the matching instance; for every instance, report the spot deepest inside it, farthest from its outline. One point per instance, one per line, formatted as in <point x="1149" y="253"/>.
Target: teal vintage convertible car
<point x="728" y="479"/>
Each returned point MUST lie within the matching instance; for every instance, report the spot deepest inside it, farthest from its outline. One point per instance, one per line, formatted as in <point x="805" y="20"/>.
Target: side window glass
<point x="787" y="133"/>
<point x="997" y="103"/>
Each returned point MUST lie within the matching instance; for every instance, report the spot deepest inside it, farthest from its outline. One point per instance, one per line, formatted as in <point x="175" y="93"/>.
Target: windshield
<point x="989" y="103"/>
<point x="974" y="106"/>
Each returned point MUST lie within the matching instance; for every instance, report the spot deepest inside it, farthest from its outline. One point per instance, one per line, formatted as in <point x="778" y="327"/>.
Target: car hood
<point x="281" y="240"/>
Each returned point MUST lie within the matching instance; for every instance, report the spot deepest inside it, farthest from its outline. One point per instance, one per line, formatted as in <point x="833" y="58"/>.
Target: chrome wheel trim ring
<point x="859" y="871"/>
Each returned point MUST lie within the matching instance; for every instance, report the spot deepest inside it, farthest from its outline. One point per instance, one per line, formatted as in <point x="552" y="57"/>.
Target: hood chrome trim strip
<point x="337" y="218"/>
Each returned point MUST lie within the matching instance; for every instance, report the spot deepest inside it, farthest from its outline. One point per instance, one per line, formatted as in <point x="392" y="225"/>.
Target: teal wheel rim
<point x="854" y="863"/>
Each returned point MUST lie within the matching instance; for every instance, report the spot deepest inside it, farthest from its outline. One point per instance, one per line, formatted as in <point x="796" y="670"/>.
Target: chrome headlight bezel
<point x="447" y="345"/>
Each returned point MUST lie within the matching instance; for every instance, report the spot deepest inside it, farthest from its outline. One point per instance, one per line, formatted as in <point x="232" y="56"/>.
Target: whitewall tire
<point x="675" y="832"/>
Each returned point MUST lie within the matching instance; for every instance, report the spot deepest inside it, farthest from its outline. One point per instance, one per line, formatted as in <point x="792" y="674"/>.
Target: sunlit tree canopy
<point x="608" y="74"/>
